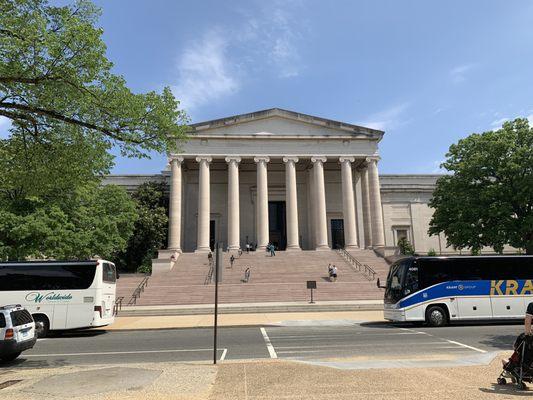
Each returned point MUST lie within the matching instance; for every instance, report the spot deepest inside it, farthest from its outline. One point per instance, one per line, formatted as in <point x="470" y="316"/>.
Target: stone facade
<point x="296" y="180"/>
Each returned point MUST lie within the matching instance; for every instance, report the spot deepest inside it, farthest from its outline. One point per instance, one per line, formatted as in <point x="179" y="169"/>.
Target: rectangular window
<point x="21" y="317"/>
<point x="2" y="321"/>
<point x="46" y="277"/>
<point x="109" y="273"/>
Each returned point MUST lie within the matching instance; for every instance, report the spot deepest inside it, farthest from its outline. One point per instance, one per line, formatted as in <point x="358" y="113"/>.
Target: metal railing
<point x="209" y="276"/>
<point x="365" y="269"/>
<point x="118" y="305"/>
<point x="138" y="290"/>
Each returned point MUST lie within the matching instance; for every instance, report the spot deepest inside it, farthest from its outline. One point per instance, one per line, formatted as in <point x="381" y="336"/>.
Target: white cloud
<point x="497" y="124"/>
<point x="219" y="63"/>
<point x="5" y="124"/>
<point x="387" y="119"/>
<point x="530" y="119"/>
<point x="205" y="72"/>
<point x="458" y="74"/>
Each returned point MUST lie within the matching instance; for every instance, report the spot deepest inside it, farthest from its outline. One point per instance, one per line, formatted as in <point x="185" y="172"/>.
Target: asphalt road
<point x="302" y="341"/>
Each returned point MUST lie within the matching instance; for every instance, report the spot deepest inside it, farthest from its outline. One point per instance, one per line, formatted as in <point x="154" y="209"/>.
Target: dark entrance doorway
<point x="277" y="225"/>
<point x="212" y="234"/>
<point x="337" y="233"/>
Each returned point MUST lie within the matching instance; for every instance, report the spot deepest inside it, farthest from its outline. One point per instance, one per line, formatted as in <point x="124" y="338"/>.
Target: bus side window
<point x="411" y="280"/>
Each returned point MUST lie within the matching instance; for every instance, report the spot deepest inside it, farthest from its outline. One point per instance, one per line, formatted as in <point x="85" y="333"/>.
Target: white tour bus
<point x="442" y="289"/>
<point x="61" y="294"/>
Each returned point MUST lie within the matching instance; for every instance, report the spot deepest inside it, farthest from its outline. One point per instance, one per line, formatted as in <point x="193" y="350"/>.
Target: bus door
<point x="506" y="303"/>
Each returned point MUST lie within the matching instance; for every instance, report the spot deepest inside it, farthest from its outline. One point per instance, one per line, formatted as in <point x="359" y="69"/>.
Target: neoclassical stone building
<point x="298" y="181"/>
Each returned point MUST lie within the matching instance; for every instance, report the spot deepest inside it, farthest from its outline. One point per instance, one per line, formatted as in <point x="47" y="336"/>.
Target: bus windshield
<point x="395" y="280"/>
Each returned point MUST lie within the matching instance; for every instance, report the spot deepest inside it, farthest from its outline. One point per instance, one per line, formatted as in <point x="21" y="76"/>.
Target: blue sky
<point x="428" y="73"/>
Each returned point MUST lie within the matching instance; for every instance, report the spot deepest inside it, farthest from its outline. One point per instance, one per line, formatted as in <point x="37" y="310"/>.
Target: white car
<point x="17" y="331"/>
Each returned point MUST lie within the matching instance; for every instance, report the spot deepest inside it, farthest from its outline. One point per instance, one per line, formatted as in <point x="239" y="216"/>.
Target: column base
<point x="234" y="248"/>
<point x="293" y="248"/>
<point x="203" y="250"/>
<point x="263" y="247"/>
<point x="349" y="248"/>
<point x="322" y="248"/>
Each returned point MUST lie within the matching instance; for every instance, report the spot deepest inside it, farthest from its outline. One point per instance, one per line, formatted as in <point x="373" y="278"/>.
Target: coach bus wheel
<point x="42" y="326"/>
<point x="436" y="316"/>
<point x="501" y="381"/>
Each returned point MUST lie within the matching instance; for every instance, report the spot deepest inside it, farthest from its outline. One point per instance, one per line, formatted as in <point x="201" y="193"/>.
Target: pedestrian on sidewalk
<point x="272" y="250"/>
<point x="247" y="248"/>
<point x="231" y="260"/>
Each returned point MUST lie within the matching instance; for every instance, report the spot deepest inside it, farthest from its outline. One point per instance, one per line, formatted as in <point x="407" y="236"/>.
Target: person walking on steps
<point x="231" y="260"/>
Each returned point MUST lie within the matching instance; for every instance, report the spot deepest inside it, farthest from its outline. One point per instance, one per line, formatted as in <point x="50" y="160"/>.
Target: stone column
<point x="365" y="192"/>
<point x="291" y="202"/>
<point x="204" y="210"/>
<point x="348" y="203"/>
<point x="174" y="211"/>
<point x="262" y="203"/>
<point x="321" y="217"/>
<point x="234" y="240"/>
<point x="378" y="234"/>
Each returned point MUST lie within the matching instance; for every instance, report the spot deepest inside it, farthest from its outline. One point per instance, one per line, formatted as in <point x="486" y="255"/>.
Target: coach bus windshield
<point x="393" y="291"/>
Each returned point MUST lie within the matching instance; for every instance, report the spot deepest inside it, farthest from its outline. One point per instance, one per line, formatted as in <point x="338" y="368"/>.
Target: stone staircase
<point x="273" y="279"/>
<point x="126" y="285"/>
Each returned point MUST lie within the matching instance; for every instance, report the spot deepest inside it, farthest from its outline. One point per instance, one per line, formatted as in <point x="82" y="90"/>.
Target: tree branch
<point x="114" y="134"/>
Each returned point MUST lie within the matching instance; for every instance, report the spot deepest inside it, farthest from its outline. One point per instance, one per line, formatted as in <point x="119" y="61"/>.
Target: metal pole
<point x="217" y="265"/>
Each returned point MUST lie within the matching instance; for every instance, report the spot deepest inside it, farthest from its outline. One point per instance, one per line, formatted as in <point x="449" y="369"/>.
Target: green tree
<point x="487" y="200"/>
<point x="150" y="231"/>
<point x="98" y="220"/>
<point x="405" y="247"/>
<point x="54" y="73"/>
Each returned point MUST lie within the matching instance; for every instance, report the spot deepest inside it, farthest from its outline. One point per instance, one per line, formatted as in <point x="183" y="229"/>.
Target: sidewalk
<point x="260" y="380"/>
<point x="252" y="308"/>
<point x="252" y="319"/>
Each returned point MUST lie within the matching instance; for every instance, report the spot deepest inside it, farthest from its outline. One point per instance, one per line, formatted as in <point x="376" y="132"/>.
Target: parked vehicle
<point x="17" y="331"/>
<point x="438" y="290"/>
<point x="61" y="295"/>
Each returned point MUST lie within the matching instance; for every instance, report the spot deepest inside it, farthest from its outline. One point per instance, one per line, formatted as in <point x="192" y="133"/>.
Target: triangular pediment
<point x="278" y="122"/>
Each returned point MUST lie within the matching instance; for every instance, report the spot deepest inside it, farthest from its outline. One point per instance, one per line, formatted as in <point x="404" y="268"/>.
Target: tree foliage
<point x="67" y="111"/>
<point x="488" y="198"/>
<point x="98" y="220"/>
<point x="150" y="232"/>
<point x="54" y="74"/>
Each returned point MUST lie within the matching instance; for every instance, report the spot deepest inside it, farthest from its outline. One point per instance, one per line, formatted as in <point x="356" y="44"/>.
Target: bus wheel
<point x="436" y="316"/>
<point x="42" y="326"/>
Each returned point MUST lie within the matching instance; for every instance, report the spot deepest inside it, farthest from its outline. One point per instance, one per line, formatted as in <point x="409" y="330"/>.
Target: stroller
<point x="519" y="368"/>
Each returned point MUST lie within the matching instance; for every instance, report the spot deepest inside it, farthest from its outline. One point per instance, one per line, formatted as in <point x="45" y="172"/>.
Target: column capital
<point x="230" y="159"/>
<point x="261" y="159"/>
<point x="318" y="159"/>
<point x="346" y="159"/>
<point x="368" y="160"/>
<point x="207" y="159"/>
<point x="293" y="159"/>
<point x="178" y="159"/>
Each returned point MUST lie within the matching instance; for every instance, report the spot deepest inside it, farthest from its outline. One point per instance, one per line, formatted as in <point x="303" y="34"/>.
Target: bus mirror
<point x="378" y="283"/>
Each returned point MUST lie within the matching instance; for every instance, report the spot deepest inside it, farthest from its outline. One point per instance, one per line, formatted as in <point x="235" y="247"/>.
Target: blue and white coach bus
<point x="442" y="289"/>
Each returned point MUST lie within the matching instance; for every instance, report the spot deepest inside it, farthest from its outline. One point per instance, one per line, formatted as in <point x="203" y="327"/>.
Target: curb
<point x="249" y="309"/>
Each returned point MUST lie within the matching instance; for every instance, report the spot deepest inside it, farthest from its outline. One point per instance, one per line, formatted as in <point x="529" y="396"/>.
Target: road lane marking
<point x="347" y="345"/>
<point x="465" y="345"/>
<point x="223" y="356"/>
<point x="449" y="341"/>
<point x="269" y="346"/>
<point x="105" y="353"/>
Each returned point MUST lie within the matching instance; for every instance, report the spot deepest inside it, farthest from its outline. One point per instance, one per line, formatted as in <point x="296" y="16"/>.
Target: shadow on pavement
<point x="75" y="334"/>
<point x="503" y="342"/>
<point x="506" y="390"/>
<point x="22" y="362"/>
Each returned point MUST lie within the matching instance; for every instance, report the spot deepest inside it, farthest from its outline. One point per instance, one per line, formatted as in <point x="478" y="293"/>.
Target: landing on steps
<point x="272" y="279"/>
